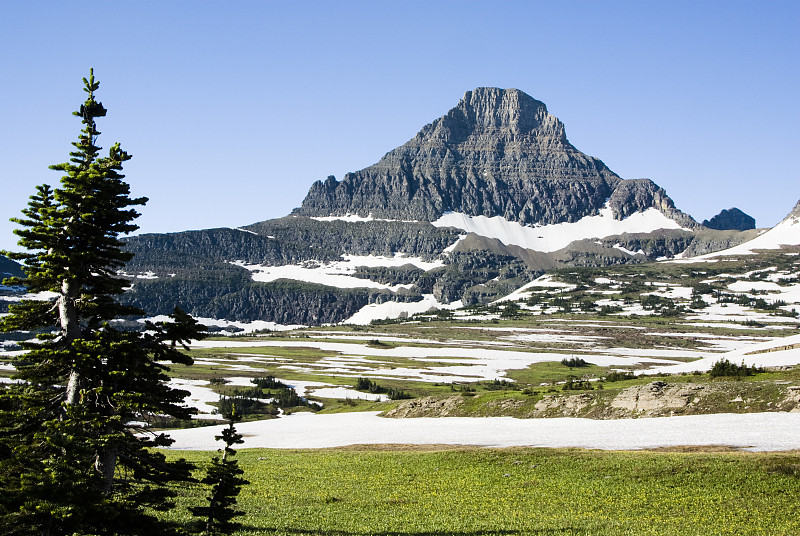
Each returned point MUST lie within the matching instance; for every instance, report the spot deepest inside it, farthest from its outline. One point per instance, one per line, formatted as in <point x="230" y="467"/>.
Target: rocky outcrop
<point x="359" y="238"/>
<point x="711" y="240"/>
<point x="497" y="153"/>
<point x="638" y="195"/>
<point x="656" y="399"/>
<point x="664" y="243"/>
<point x="795" y="213"/>
<point x="286" y="241"/>
<point x="731" y="219"/>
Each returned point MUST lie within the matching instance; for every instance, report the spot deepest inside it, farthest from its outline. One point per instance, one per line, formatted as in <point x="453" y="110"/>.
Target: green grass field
<point x="469" y="491"/>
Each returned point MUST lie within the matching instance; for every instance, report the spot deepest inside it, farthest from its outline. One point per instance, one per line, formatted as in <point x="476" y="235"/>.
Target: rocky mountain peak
<point x="731" y="219"/>
<point x="498" y="152"/>
<point x="507" y="114"/>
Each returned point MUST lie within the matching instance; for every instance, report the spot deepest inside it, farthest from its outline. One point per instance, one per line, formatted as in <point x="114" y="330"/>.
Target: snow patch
<point x="449" y="249"/>
<point x="246" y="327"/>
<point x="629" y="252"/>
<point x="338" y="273"/>
<point x="764" y="354"/>
<point x="544" y="281"/>
<point x="355" y="218"/>
<point x="199" y="396"/>
<point x="549" y="238"/>
<point x="392" y="309"/>
<point x="343" y="393"/>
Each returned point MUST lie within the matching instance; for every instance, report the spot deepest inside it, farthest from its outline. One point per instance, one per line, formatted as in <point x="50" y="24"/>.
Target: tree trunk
<point x="106" y="464"/>
<point x="70" y="330"/>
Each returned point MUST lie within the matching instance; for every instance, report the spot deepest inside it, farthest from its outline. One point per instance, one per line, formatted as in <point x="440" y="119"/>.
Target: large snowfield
<point x="750" y="431"/>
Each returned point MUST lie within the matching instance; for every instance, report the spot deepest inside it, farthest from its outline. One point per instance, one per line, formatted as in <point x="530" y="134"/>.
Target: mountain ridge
<point x="477" y="204"/>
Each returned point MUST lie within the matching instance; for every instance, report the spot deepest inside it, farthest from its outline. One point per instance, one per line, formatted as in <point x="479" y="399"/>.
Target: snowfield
<point x="245" y="327"/>
<point x="772" y="353"/>
<point x="339" y="273"/>
<point x="441" y="364"/>
<point x="749" y="431"/>
<point x="549" y="238"/>
<point x="392" y="309"/>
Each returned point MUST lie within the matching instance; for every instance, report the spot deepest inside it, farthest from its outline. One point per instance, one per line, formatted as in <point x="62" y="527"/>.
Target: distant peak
<point x="731" y="219"/>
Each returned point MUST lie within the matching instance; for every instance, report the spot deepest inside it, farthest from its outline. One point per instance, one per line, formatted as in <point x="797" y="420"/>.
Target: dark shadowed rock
<point x="731" y="219"/>
<point x="9" y="268"/>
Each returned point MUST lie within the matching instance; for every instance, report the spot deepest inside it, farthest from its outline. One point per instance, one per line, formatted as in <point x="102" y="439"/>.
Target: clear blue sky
<point x="233" y="109"/>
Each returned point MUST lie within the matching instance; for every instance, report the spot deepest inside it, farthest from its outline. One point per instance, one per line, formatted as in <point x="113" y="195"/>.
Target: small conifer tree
<point x="224" y="477"/>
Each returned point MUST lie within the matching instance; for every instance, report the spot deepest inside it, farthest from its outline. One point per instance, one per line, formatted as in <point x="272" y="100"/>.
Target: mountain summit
<point x="499" y="152"/>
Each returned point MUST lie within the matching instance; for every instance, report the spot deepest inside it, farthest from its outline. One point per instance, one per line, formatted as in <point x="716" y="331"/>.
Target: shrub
<point x="268" y="382"/>
<point x="397" y="394"/>
<point x="243" y="406"/>
<point x="577" y="385"/>
<point x="574" y="362"/>
<point x="511" y="310"/>
<point x="725" y="368"/>
<point x="617" y="376"/>
<point x="365" y="384"/>
<point x="498" y="385"/>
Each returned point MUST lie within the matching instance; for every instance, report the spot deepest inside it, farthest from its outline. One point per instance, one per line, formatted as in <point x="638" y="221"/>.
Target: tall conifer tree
<point x="73" y="459"/>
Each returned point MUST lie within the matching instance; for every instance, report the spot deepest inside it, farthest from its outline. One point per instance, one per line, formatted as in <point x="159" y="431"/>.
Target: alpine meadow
<point x="486" y="332"/>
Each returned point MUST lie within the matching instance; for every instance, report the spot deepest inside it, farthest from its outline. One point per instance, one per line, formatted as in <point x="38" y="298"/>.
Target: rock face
<point x="795" y="213"/>
<point x="497" y="153"/>
<point x="9" y="268"/>
<point x="731" y="219"/>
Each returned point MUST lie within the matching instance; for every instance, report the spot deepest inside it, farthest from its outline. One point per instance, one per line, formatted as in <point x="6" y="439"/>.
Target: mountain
<point x="9" y="268"/>
<point x="497" y="153"/>
<point x="478" y="203"/>
<point x="731" y="219"/>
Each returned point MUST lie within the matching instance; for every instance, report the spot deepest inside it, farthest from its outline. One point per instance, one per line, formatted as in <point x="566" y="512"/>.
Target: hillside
<point x="599" y="342"/>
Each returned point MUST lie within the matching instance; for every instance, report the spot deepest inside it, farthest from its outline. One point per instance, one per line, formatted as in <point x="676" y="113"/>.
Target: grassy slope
<point x="346" y="492"/>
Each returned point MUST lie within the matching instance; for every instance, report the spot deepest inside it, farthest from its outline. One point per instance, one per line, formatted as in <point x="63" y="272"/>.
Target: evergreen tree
<point x="75" y="457"/>
<point x="224" y="477"/>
